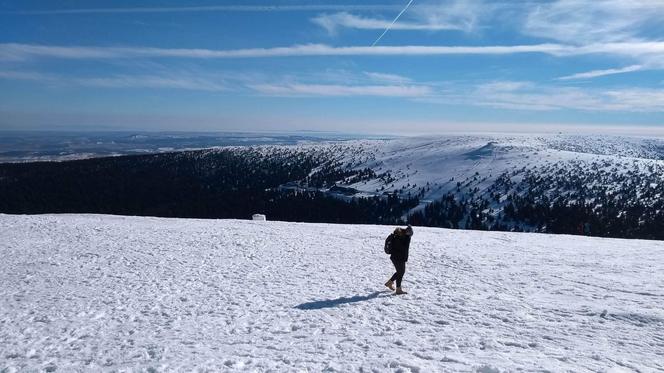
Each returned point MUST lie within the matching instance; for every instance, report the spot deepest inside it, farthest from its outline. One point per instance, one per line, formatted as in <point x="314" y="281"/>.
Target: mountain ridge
<point x="593" y="185"/>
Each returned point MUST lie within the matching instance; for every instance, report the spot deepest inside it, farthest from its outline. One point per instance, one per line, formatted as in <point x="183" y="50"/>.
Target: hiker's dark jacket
<point x="400" y="245"/>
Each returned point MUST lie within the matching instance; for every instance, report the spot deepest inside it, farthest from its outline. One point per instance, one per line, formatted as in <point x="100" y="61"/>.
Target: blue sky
<point x="593" y="66"/>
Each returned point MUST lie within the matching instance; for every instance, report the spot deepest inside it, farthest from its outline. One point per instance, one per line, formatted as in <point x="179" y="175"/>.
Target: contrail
<point x="392" y="24"/>
<point x="212" y="8"/>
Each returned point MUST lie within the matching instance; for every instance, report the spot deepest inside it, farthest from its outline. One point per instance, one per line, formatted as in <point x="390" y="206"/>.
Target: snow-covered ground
<point x="106" y="293"/>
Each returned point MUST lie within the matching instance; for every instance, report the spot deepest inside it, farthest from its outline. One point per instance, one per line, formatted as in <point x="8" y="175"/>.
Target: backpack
<point x="388" y="243"/>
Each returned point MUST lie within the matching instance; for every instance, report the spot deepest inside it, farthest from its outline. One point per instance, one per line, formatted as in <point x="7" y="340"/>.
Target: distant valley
<point x="30" y="146"/>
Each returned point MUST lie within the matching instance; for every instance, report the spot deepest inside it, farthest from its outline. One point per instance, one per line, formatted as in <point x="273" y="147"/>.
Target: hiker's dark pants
<point x="401" y="269"/>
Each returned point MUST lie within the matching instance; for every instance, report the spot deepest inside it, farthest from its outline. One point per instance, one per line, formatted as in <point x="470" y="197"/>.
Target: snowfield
<point x="109" y="293"/>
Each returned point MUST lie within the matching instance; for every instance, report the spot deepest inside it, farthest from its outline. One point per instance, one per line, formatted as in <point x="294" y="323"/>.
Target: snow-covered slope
<point x="612" y="185"/>
<point x="442" y="161"/>
<point x="113" y="293"/>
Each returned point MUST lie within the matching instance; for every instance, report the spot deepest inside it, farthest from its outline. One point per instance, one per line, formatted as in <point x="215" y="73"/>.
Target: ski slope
<point x="109" y="293"/>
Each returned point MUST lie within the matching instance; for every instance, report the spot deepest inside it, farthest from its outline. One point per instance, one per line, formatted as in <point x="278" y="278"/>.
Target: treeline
<point x="312" y="185"/>
<point x="323" y="208"/>
<point x="450" y="212"/>
<point x="232" y="183"/>
<point x="204" y="184"/>
<point x="597" y="199"/>
<point x="527" y="214"/>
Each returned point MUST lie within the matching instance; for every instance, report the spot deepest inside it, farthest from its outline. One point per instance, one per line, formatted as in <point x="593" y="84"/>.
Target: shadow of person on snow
<point x="329" y="303"/>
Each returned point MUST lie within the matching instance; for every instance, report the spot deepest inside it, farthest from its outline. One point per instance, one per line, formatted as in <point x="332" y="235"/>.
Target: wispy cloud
<point x="25" y="51"/>
<point x="387" y="78"/>
<point x="598" y="73"/>
<point x="331" y="76"/>
<point x="430" y="6"/>
<point x="504" y="86"/>
<point x="130" y="81"/>
<point x="332" y="22"/>
<point x="537" y="97"/>
<point x="364" y="84"/>
<point x="214" y="8"/>
<point x="590" y="22"/>
<point x="512" y="95"/>
<point x="301" y="90"/>
<point x="528" y="96"/>
<point x="27" y="75"/>
<point x="174" y="81"/>
<point x="604" y="24"/>
<point x="466" y="15"/>
<point x="422" y="16"/>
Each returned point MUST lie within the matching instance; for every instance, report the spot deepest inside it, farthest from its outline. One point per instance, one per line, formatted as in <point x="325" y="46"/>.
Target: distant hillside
<point x="592" y="185"/>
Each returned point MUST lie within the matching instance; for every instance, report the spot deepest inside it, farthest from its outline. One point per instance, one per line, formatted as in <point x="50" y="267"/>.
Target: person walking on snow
<point x="398" y="243"/>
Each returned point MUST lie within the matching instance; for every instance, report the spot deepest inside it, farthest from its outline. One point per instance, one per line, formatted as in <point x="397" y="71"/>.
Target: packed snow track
<point x="108" y="293"/>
